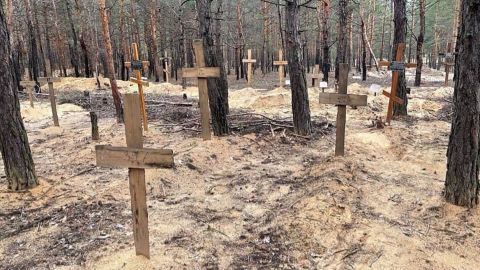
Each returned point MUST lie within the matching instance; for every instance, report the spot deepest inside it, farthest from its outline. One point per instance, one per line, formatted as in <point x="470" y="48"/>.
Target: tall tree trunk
<point x="17" y="157"/>
<point x="412" y="29"/>
<point x="300" y="102"/>
<point x="420" y="39"/>
<point x="400" y="20"/>
<point x="461" y="184"/>
<point x="109" y="67"/>
<point x="364" y="49"/>
<point x="324" y="7"/>
<point x="217" y="87"/>
<point x="74" y="46"/>
<point x="342" y="40"/>
<point x="33" y="55"/>
<point x="152" y="33"/>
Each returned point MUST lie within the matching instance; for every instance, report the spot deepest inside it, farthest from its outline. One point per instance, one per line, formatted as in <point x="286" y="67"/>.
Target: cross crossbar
<point x="201" y="72"/>
<point x="127" y="157"/>
<point x="343" y="99"/>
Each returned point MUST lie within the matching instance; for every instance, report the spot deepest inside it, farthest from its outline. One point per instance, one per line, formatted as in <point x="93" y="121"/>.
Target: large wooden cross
<point x="342" y="99"/>
<point x="449" y="61"/>
<point x="136" y="159"/>
<point x="396" y="67"/>
<point x="281" y="67"/>
<point x="137" y="66"/>
<point x="315" y="75"/>
<point x="202" y="73"/>
<point x="167" y="60"/>
<point x="250" y="61"/>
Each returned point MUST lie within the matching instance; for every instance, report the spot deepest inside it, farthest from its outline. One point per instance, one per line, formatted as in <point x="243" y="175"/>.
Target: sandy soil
<point x="261" y="198"/>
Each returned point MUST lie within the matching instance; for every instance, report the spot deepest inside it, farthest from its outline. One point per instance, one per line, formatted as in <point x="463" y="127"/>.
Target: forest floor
<point x="261" y="198"/>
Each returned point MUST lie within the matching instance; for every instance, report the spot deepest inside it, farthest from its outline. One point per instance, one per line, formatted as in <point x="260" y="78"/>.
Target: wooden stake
<point x="94" y="121"/>
<point x="201" y="72"/>
<point x="53" y="103"/>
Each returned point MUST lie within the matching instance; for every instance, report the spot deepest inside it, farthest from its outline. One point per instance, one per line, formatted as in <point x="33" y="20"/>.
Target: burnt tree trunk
<point x="217" y="87"/>
<point x="298" y="80"/>
<point x="17" y="157"/>
<point x="400" y="31"/>
<point x="461" y="183"/>
<point x="420" y="39"/>
<point x="109" y="67"/>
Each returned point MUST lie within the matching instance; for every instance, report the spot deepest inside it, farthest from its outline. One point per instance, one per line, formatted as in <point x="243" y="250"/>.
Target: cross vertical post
<point x="28" y="86"/>
<point x="202" y="73"/>
<point x="166" y="59"/>
<point x="51" y="95"/>
<point x="137" y="67"/>
<point x="250" y="61"/>
<point x="281" y="67"/>
<point x="449" y="61"/>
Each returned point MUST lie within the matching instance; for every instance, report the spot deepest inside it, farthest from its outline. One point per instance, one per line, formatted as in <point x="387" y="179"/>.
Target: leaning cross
<point x="315" y="75"/>
<point x="136" y="159"/>
<point x="250" y="61"/>
<point x="202" y="73"/>
<point x="138" y="66"/>
<point x="166" y="59"/>
<point x="51" y="95"/>
<point x="281" y="67"/>
<point x="342" y="99"/>
<point x="396" y="67"/>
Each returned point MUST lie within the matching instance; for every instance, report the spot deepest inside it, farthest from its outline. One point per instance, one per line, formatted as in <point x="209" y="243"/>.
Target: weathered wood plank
<point x="53" y="104"/>
<point x="396" y="99"/>
<point x="201" y="72"/>
<point x="144" y="83"/>
<point x="203" y="90"/>
<point x="342" y="111"/>
<point x="343" y="99"/>
<point x="139" y="158"/>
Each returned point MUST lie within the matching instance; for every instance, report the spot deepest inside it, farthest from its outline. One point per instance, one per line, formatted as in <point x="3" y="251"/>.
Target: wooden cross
<point x="449" y="61"/>
<point x="281" y="67"/>
<point x="342" y="99"/>
<point x="315" y="75"/>
<point x="167" y="66"/>
<point x="250" y="63"/>
<point x="396" y="67"/>
<point x="51" y="95"/>
<point x="138" y="66"/>
<point x="136" y="159"/>
<point x="202" y="73"/>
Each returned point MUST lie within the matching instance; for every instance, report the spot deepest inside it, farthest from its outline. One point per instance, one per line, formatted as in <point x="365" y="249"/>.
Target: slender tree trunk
<point x="382" y="46"/>
<point x="300" y="102"/>
<point x="420" y="39"/>
<point x="33" y="55"/>
<point x="324" y="10"/>
<point x="16" y="154"/>
<point x="400" y="20"/>
<point x="74" y="46"/>
<point x="412" y="29"/>
<point x="461" y="184"/>
<point x="217" y="87"/>
<point x="109" y="67"/>
<point x="342" y="40"/>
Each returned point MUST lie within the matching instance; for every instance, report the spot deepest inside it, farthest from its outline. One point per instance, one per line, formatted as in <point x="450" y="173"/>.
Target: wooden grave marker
<point x="396" y="67"/>
<point x="29" y="85"/>
<point x="167" y="60"/>
<point x="51" y="95"/>
<point x="281" y="67"/>
<point x="342" y="99"/>
<point x="315" y="75"/>
<point x="137" y="66"/>
<point x="136" y="159"/>
<point x="249" y="61"/>
<point x="449" y="61"/>
<point x="202" y="73"/>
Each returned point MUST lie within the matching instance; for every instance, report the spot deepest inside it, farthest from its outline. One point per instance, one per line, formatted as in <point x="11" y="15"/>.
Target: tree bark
<point x="420" y="39"/>
<point x="109" y="68"/>
<point x="400" y="20"/>
<point x="74" y="46"/>
<point x="461" y="183"/>
<point x="14" y="146"/>
<point x="217" y="87"/>
<point x="342" y="40"/>
<point x="298" y="80"/>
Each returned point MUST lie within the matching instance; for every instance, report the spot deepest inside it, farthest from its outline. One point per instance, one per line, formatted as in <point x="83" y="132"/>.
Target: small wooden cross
<point x="315" y="75"/>
<point x="449" y="61"/>
<point x="250" y="61"/>
<point x="51" y="95"/>
<point x="342" y="99"/>
<point x="202" y="73"/>
<point x="281" y="67"/>
<point x="167" y="66"/>
<point x="138" y="66"/>
<point x="136" y="159"/>
<point x="396" y="67"/>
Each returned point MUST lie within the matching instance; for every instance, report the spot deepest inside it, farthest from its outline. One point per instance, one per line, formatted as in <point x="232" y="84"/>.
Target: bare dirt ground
<point x="261" y="198"/>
